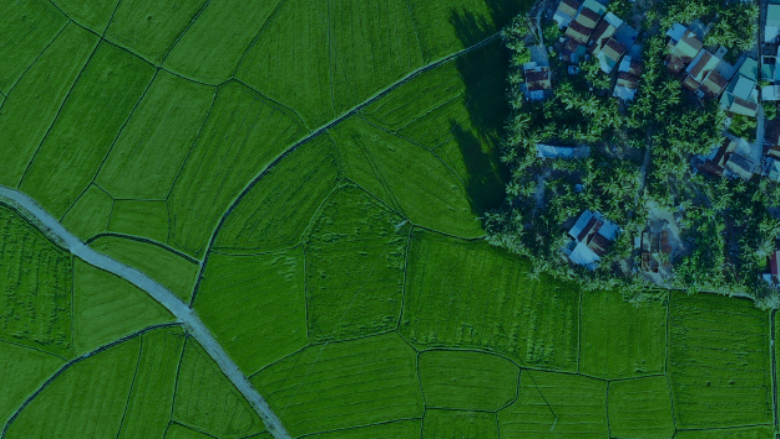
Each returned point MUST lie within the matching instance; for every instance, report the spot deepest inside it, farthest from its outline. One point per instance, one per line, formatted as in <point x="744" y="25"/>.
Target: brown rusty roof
<point x="690" y="83"/>
<point x="578" y="32"/>
<point x="628" y="80"/>
<point x="588" y="18"/>
<point x="713" y="84"/>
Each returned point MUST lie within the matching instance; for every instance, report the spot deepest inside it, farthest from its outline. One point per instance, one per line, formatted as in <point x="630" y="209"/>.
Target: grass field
<point x="26" y="28"/>
<point x="90" y="214"/>
<point x="342" y="385"/>
<point x="467" y="380"/>
<point x="206" y="400"/>
<point x="95" y="14"/>
<point x="277" y="210"/>
<point x="450" y="424"/>
<point x="719" y="362"/>
<point x="169" y="269"/>
<point x="36" y="286"/>
<point x="212" y="46"/>
<point x="574" y="405"/>
<point x="22" y="371"/>
<point x="640" y="407"/>
<point x="36" y="98"/>
<point x="87" y="400"/>
<point x="104" y="95"/>
<point x="619" y="339"/>
<point x="242" y="128"/>
<point x="409" y="428"/>
<point x="106" y="307"/>
<point x="300" y="57"/>
<point x="151" y="398"/>
<point x="407" y="177"/>
<point x="355" y="261"/>
<point x="470" y="295"/>
<point x="152" y="148"/>
<point x="150" y="27"/>
<point x="255" y="306"/>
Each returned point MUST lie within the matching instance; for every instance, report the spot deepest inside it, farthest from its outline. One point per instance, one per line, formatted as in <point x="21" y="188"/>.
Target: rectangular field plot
<point x="355" y="258"/>
<point x="467" y="380"/>
<point x="640" y="407"/>
<point x="761" y="432"/>
<point x="35" y="287"/>
<point x="719" y="362"/>
<point x="255" y="306"/>
<point x="620" y="339"/>
<point x="553" y="405"/>
<point x="90" y="214"/>
<point x="94" y="14"/>
<point x="102" y="99"/>
<point x="344" y="384"/>
<point x="409" y="428"/>
<point x="471" y="295"/>
<point x="146" y="219"/>
<point x="452" y="424"/>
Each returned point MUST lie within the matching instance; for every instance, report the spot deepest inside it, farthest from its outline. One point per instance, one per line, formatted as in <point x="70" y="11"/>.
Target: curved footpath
<point x="183" y="313"/>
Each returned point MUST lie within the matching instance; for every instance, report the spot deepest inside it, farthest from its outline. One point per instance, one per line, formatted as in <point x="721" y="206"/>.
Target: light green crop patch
<point x="255" y="306"/>
<point x="408" y="428"/>
<point x="450" y="424"/>
<point x="343" y="384"/>
<point x="719" y="364"/>
<point x="620" y="339"/>
<point x="553" y="405"/>
<point x="467" y="294"/>
<point x="640" y="407"/>
<point x="35" y="287"/>
<point x="467" y="380"/>
<point x="355" y="258"/>
<point x="94" y="14"/>
<point x="759" y="432"/>
<point x="90" y="214"/>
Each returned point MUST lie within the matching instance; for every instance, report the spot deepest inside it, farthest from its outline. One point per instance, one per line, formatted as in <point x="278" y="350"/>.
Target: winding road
<point x="32" y="211"/>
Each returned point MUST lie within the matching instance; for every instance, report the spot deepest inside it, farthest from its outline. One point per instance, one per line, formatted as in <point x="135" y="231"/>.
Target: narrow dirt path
<point x="30" y="209"/>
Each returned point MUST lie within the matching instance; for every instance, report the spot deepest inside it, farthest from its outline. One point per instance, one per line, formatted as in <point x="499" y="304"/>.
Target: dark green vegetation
<point x="343" y="270"/>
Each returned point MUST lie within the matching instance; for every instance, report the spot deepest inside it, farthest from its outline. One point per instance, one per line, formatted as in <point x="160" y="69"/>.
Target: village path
<point x="33" y="212"/>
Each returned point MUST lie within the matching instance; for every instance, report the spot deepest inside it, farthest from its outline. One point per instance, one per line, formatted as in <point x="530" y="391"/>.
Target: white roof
<point x="625" y="64"/>
<point x="613" y="19"/>
<point x="563" y="19"/>
<point x="625" y="93"/>
<point x="565" y="152"/>
<point x="582" y="255"/>
<point x="609" y="230"/>
<point x="676" y="32"/>
<point x="771" y="93"/>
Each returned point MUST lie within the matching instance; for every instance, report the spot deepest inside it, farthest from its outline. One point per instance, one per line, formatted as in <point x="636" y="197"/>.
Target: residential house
<point x="546" y="151"/>
<point x="655" y="249"/>
<point x="741" y="96"/>
<point x="729" y="160"/>
<point x="604" y="30"/>
<point x="772" y="27"/>
<point x="703" y="78"/>
<point x="592" y="235"/>
<point x="610" y="55"/>
<point x="629" y="73"/>
<point x="771" y="73"/>
<point x="537" y="81"/>
<point x="684" y="45"/>
<point x="772" y="168"/>
<point x="583" y="25"/>
<point x="566" y="12"/>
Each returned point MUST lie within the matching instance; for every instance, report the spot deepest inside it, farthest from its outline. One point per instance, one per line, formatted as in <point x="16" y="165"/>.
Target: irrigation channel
<point x="28" y="207"/>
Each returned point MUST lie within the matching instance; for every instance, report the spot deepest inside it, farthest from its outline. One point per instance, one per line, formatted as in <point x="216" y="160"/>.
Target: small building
<point x="604" y="30"/>
<point x="772" y="168"/>
<point x="741" y="95"/>
<point x="772" y="27"/>
<point x="683" y="46"/>
<point x="627" y="84"/>
<point x="547" y="151"/>
<point x="610" y="55"/>
<point x="773" y="277"/>
<point x="739" y="166"/>
<point x="537" y="81"/>
<point x="592" y="235"/>
<point x="566" y="12"/>
<point x="729" y="160"/>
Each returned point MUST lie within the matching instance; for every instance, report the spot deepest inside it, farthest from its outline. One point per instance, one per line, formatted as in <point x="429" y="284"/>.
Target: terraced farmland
<point x="308" y="179"/>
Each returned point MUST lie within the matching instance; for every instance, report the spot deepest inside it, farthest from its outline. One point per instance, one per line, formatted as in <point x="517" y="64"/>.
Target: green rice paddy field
<point x="308" y="177"/>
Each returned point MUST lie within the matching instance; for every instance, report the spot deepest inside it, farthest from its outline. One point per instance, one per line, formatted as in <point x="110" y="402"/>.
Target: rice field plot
<point x="406" y="429"/>
<point x="95" y="14"/>
<point x="758" y="432"/>
<point x="467" y="380"/>
<point x="178" y="431"/>
<point x="35" y="287"/>
<point x="151" y="397"/>
<point x="207" y="401"/>
<point x="152" y="148"/>
<point x="343" y="384"/>
<point x="255" y="306"/>
<point x="445" y="27"/>
<point x="553" y="405"/>
<point x="169" y="269"/>
<point x="640" y="407"/>
<point x="718" y="362"/>
<point x="242" y="129"/>
<point x="620" y="339"/>
<point x="453" y="424"/>
<point x="212" y="46"/>
<point x="22" y="371"/>
<point x="295" y="46"/>
<point x="87" y="400"/>
<point x="467" y="294"/>
<point x="105" y="94"/>
<point x="373" y="44"/>
<point x="26" y="28"/>
<point x="355" y="258"/>
<point x="106" y="308"/>
<point x="29" y="111"/>
<point x="148" y="219"/>
<point x="150" y="27"/>
<point x="408" y="177"/>
<point x="276" y="211"/>
<point x="90" y="214"/>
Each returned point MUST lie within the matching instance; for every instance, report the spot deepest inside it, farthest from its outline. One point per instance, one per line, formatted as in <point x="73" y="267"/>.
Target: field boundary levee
<point x="27" y="207"/>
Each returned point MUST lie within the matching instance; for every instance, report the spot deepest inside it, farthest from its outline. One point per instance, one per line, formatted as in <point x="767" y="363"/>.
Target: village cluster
<point x="591" y="33"/>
